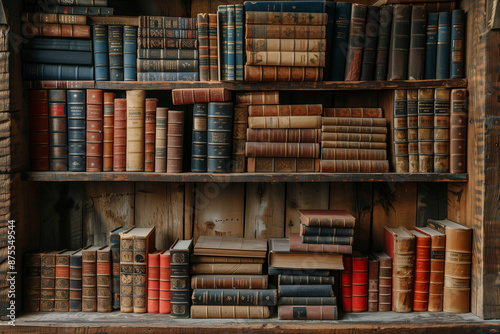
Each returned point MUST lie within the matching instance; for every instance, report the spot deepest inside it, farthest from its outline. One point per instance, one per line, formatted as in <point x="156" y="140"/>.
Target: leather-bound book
<point x="298" y="244"/>
<point x="114" y="241"/>
<point x="327" y="144"/>
<point x="244" y="297"/>
<point x="144" y="243"/>
<point x="458" y="133"/>
<point x="426" y="130"/>
<point x="285" y="110"/>
<point x="291" y="150"/>
<point x="327" y="218"/>
<point x="283" y="73"/>
<point x="149" y="136"/>
<point x="175" y="135"/>
<point x="56" y="30"/>
<point x="457" y="264"/>
<point x="89" y="279"/>
<point x="354" y="112"/>
<point x="126" y="272"/>
<point x="287" y="45"/>
<point x="95" y="110"/>
<point x="304" y="280"/>
<point x="32" y="281"/>
<point x="384" y="282"/>
<point x="355" y="44"/>
<point x="399" y="244"/>
<point x="327" y="239"/>
<point x="418" y="39"/>
<point x="115" y="49"/>
<point x="271" y="17"/>
<point x="229" y="282"/>
<point x="75" y="282"/>
<point x="412" y="123"/>
<point x="224" y="259"/>
<point x="353" y="154"/>
<point x="240" y="124"/>
<point x="354" y="166"/>
<point x="76" y="130"/>
<point x="285" y="31"/>
<point x="286" y="58"/>
<point x="457" y="52"/>
<point x="431" y="46"/>
<point x="400" y="43"/>
<point x="310" y="290"/>
<point x="213" y="47"/>
<point x="370" y="43"/>
<point x="229" y="312"/>
<point x="443" y="46"/>
<point x="203" y="41"/>
<point x="308" y="312"/>
<point x="346" y="284"/>
<point x="226" y="268"/>
<point x="384" y="38"/>
<point x="257" y="98"/>
<point x="318" y="301"/>
<point x="39" y="129"/>
<point x="422" y="271"/>
<point x="284" y="122"/>
<point x="48" y="281"/>
<point x="130" y="53"/>
<point x="359" y="282"/>
<point x="282" y="165"/>
<point x="325" y="231"/>
<point x="200" y="95"/>
<point x="119" y="135"/>
<point x="101" y="55"/>
<point x="153" y="296"/>
<point x="354" y="129"/>
<point x="161" y="140"/>
<point x="341" y="33"/>
<point x="400" y="132"/>
<point x="219" y="136"/>
<point x="108" y="135"/>
<point x="373" y="283"/>
<point x="135" y="131"/>
<point x="58" y="130"/>
<point x="53" y="18"/>
<point x="179" y="277"/>
<point x="164" y="292"/>
<point x="442" y="130"/>
<point x="61" y="293"/>
<point x="104" y="280"/>
<point x="284" y="135"/>
<point x="199" y="139"/>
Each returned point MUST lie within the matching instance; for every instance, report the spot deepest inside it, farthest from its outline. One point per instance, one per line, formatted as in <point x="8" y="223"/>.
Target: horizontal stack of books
<point x="353" y="140"/>
<point x="230" y="28"/>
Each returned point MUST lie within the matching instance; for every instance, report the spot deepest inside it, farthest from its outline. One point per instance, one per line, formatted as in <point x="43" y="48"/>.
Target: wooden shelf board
<point x="252" y="86"/>
<point x="244" y="177"/>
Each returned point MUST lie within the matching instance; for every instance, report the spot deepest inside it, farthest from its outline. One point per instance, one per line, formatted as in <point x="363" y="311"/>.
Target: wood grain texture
<point x="457" y="198"/>
<point x="188" y="210"/>
<point x="265" y="210"/>
<point x="431" y="202"/>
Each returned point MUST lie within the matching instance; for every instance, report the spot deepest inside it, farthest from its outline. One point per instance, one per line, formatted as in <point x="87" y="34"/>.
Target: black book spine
<point x="384" y="38"/>
<point x="418" y="40"/>
<point x="242" y="297"/>
<point x="400" y="42"/>
<point x="304" y="280"/>
<point x="306" y="291"/>
<point x="199" y="144"/>
<point x="219" y="136"/>
<point x="180" y="292"/>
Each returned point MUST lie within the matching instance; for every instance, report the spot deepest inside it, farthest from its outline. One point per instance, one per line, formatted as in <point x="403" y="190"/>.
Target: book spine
<point x="377" y="138"/>
<point x="75" y="283"/>
<point x="284" y="58"/>
<point x="243" y="297"/>
<point x="58" y="72"/>
<point x="32" y="282"/>
<point x="288" y="45"/>
<point x="285" y="6"/>
<point x="167" y="54"/>
<point x="213" y="47"/>
<point x="400" y="42"/>
<point x="353" y="145"/>
<point x="354" y="129"/>
<point x="135" y="131"/>
<point x="304" y="280"/>
<point x="47" y="283"/>
<point x="416" y="64"/>
<point x="164" y="297"/>
<point x="284" y="135"/>
<point x="373" y="284"/>
<point x="58" y="130"/>
<point x="412" y="123"/>
<point x="355" y="44"/>
<point x="354" y="166"/>
<point x="119" y="134"/>
<point x="229" y="312"/>
<point x="219" y="136"/>
<point x="436" y="276"/>
<point x="57" y="57"/>
<point x="370" y="43"/>
<point x="108" y="135"/>
<point x="200" y="95"/>
<point x="283" y="73"/>
<point x="422" y="272"/>
<point x="101" y="61"/>
<point x="229" y="282"/>
<point x="431" y="46"/>
<point x="115" y="47"/>
<point x="400" y="132"/>
<point x="114" y="241"/>
<point x="180" y="288"/>
<point x="94" y="130"/>
<point x="307" y="301"/>
<point x="140" y="276"/>
<point x="199" y="139"/>
<point x="328" y="222"/>
<point x="285" y="31"/>
<point x="325" y="290"/>
<point x="239" y="37"/>
<point x="169" y="22"/>
<point x="226" y="268"/>
<point x="149" y="134"/>
<point x="310" y="312"/>
<point x="161" y="140"/>
<point x="426" y="130"/>
<point x="354" y="112"/>
<point x="47" y="43"/>
<point x="39" y="129"/>
<point x="346" y="284"/>
<point x="325" y="231"/>
<point x="457" y="52"/>
<point x="223" y="42"/>
<point x="267" y="17"/>
<point x="167" y="76"/>
<point x="251" y="98"/>
<point x="403" y="275"/>
<point x="175" y="134"/>
<point x="153" y="277"/>
<point x="56" y="30"/>
<point x="240" y="124"/>
<point x="169" y="32"/>
<point x="443" y="46"/>
<point x="285" y="110"/>
<point x="325" y="47"/>
<point x="203" y="41"/>
<point x="335" y="240"/>
<point x="89" y="281"/>
<point x="61" y="292"/>
<point x="359" y="283"/>
<point x="355" y="121"/>
<point x="126" y="273"/>
<point x="231" y="43"/>
<point x="129" y="53"/>
<point x="167" y="65"/>
<point x="104" y="281"/>
<point x="385" y="285"/>
<point x="458" y="133"/>
<point x="76" y="10"/>
<point x="341" y="36"/>
<point x="442" y="130"/>
<point x="76" y="130"/>
<point x="384" y="38"/>
<point x="58" y="84"/>
<point x="167" y="43"/>
<point x="287" y="122"/>
<point x="315" y="272"/>
<point x="53" y="18"/>
<point x="290" y="150"/>
<point x="282" y="165"/>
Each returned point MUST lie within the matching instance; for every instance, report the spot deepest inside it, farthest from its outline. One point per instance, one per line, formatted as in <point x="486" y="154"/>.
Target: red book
<point x="346" y="284"/>
<point x="422" y="271"/>
<point x="120" y="135"/>
<point x="94" y="130"/>
<point x="39" y="129"/>
<point x="108" y="120"/>
<point x="296" y="245"/>
<point x="150" y="133"/>
<point x="154" y="281"/>
<point x="165" y="282"/>
<point x="359" y="282"/>
<point x="200" y="95"/>
<point x="327" y="218"/>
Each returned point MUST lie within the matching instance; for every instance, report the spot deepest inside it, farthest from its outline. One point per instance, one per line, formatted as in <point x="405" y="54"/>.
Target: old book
<point x="56" y="30"/>
<point x="39" y="129"/>
<point x="354" y="166"/>
<point x="61" y="292"/>
<point x="341" y="36"/>
<point x="287" y="122"/>
<point x="135" y="131"/>
<point x="354" y="112"/>
<point x="384" y="282"/>
<point x="89" y="279"/>
<point x="268" y="17"/>
<point x="229" y="282"/>
<point x="164" y="283"/>
<point x="229" y="312"/>
<point x="76" y="130"/>
<point x="240" y="124"/>
<point x="53" y="18"/>
<point x="94" y="130"/>
<point x="199" y="138"/>
<point x="280" y="256"/>
<point x="327" y="144"/>
<point x="167" y="65"/>
<point x="284" y="135"/>
<point x="285" y="58"/>
<point x="353" y="129"/>
<point x="161" y="140"/>
<point x="167" y="76"/>
<point x="400" y="132"/>
<point x="150" y="134"/>
<point x="298" y="272"/>
<point x="426" y="130"/>
<point x="224" y="259"/>
<point x="327" y="218"/>
<point x="412" y="123"/>
<point x="422" y="271"/>
<point x="175" y="135"/>
<point x="115" y="52"/>
<point x="75" y="281"/>
<point x="291" y="150"/>
<point x="108" y="136"/>
<point x="48" y="277"/>
<point x="285" y="110"/>
<point x="384" y="39"/>
<point x="431" y="46"/>
<point x="309" y="312"/>
<point x="130" y="53"/>
<point x="213" y="47"/>
<point x="285" y="31"/>
<point x="458" y="131"/>
<point x="167" y="43"/>
<point x="443" y="46"/>
<point x="436" y="276"/>
<point x="286" y="45"/>
<point x="304" y="280"/>
<point x="55" y="73"/>
<point x="126" y="272"/>
<point x="359" y="282"/>
<point x="353" y="137"/>
<point x="310" y="290"/>
<point x="144" y="243"/>
<point x="222" y="36"/>
<point x="353" y="154"/>
<point x="400" y="42"/>
<point x="355" y="43"/>
<point x="101" y="54"/>
<point x="244" y="297"/>
<point x="418" y="39"/>
<point x="104" y="280"/>
<point x="346" y="284"/>
<point x="32" y="281"/>
<point x="355" y="121"/>
<point x="153" y="294"/>
<point x="283" y="73"/>
<point x="278" y="7"/>
<point x="324" y="231"/>
<point x="200" y="95"/>
<point x="441" y="130"/>
<point x="282" y="165"/>
<point x="457" y="265"/>
<point x="230" y="246"/>
<point x="307" y="301"/>
<point x="370" y="43"/>
<point x="399" y="244"/>
<point x="373" y="283"/>
<point x="219" y="136"/>
<point x="239" y="18"/>
<point x="58" y="130"/>
<point x="114" y="241"/>
<point x="203" y="41"/>
<point x="256" y="98"/>
<point x="297" y="244"/>
<point x="119" y="135"/>
<point x="179" y="277"/>
<point x="457" y="52"/>
<point x="226" y="269"/>
<point x="327" y="239"/>
<point x="230" y="41"/>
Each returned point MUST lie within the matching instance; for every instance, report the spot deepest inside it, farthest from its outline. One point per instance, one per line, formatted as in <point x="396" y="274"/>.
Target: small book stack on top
<point x="228" y="280"/>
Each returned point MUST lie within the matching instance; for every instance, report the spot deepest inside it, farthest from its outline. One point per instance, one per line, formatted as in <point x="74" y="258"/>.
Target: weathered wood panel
<point x="188" y="210"/>
<point x="431" y="202"/>
<point x="457" y="198"/>
<point x="265" y="210"/>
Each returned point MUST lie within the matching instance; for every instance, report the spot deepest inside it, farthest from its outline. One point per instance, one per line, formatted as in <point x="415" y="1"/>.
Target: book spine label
<point x="76" y="130"/>
<point x="241" y="297"/>
<point x="457" y="52"/>
<point x="115" y="49"/>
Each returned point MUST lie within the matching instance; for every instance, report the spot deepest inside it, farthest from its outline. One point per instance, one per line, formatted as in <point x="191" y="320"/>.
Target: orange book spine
<point x="150" y="134"/>
<point x="164" y="297"/>
<point x="153" y="282"/>
<point x="422" y="271"/>
<point x="120" y="135"/>
<point x="108" y="121"/>
<point x="94" y="130"/>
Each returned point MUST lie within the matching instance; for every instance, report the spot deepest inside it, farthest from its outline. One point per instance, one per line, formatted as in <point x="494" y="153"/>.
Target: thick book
<point x="230" y="41"/>
<point x="38" y="105"/>
<point x="175" y="135"/>
<point x="327" y="144"/>
<point x="95" y="110"/>
<point x="354" y="112"/>
<point x="89" y="279"/>
<point x="165" y="22"/>
<point x="153" y="294"/>
<point x="101" y="55"/>
<point x="280" y="256"/>
<point x="310" y="290"/>
<point x="53" y="18"/>
<point x="230" y="246"/>
<point x="167" y="65"/>
<point x="302" y="18"/>
<point x="126" y="272"/>
<point x="57" y="72"/>
<point x="359" y="282"/>
<point x="226" y="269"/>
<point x="32" y="281"/>
<point x="76" y="130"/>
<point x="431" y="46"/>
<point x="422" y="271"/>
<point x="426" y="130"/>
<point x="167" y="76"/>
<point x="115" y="50"/>
<point x="203" y="41"/>
<point x="298" y="272"/>
<point x="129" y="53"/>
<point x="74" y="10"/>
<point x="168" y="32"/>
<point x="213" y="47"/>
<point x="224" y="259"/>
<point x="56" y="30"/>
<point x="327" y="239"/>
<point x="328" y="47"/>
<point x="346" y="284"/>
<point x="200" y="95"/>
<point x="284" y="122"/>
<point x="305" y="280"/>
<point x="57" y="57"/>
<point x="285" y="6"/>
<point x="354" y="166"/>
<point x="199" y="138"/>
<point x="400" y="132"/>
<point x="436" y="276"/>
<point x="285" y="58"/>
<point x="58" y="130"/>
<point x="282" y="165"/>
<point x="285" y="110"/>
<point x="441" y="130"/>
<point x="370" y="44"/>
<point x="287" y="45"/>
<point x="341" y="37"/>
<point x="327" y="218"/>
<point x="165" y="286"/>
<point x="283" y="74"/>
<point x="108" y="135"/>
<point x="150" y="134"/>
<point x="222" y="41"/>
<point x="144" y="243"/>
<point x="384" y="39"/>
<point x="400" y="42"/>
<point x="458" y="130"/>
<point x="354" y="129"/>
<point x="219" y="136"/>
<point x="61" y="291"/>
<point x="353" y="154"/>
<point x="104" y="280"/>
<point x="384" y="282"/>
<point x="75" y="282"/>
<point x="135" y="131"/>
<point x="291" y="150"/>
<point x="167" y="54"/>
<point x="284" y="135"/>
<point x="167" y="43"/>
<point x="60" y="84"/>
<point x="412" y="124"/>
<point x="457" y="264"/>
<point x="399" y="244"/>
<point x="285" y="31"/>
<point x="443" y="46"/>
<point x="457" y="52"/>
<point x="179" y="277"/>
<point x="47" y="282"/>
<point x="119" y="135"/>
<point x="240" y="124"/>
<point x="373" y="283"/>
<point x="307" y="301"/>
<point x="307" y="312"/>
<point x="354" y="56"/>
<point x="325" y="231"/>
<point x="243" y="297"/>
<point x="229" y="282"/>
<point x="229" y="312"/>
<point x="114" y="241"/>
<point x="418" y="39"/>
<point x="161" y="140"/>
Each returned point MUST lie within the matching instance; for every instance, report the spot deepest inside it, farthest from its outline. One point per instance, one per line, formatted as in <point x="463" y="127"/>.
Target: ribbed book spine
<point x="457" y="55"/>
<point x="443" y="46"/>
<point x="129" y="53"/>
<point x="223" y="42"/>
<point x="213" y="47"/>
<point x="39" y="129"/>
<point x="370" y="43"/>
<point x="239" y="38"/>
<point x="180" y="287"/>
<point x="48" y="280"/>
<point x="412" y="121"/>
<point x="95" y="110"/>
<point x="240" y="124"/>
<point x="384" y="38"/>
<point x="76" y="130"/>
<point x="400" y="135"/>
<point x="115" y="49"/>
<point x="175" y="145"/>
<point x="203" y="41"/>
<point x="341" y="36"/>
<point x="346" y="284"/>
<point x="244" y="297"/>
<point x="140" y="276"/>
<point x="101" y="61"/>
<point x="135" y="131"/>
<point x="400" y="42"/>
<point x="150" y="136"/>
<point x="165" y="297"/>
<point x="441" y="130"/>
<point x="108" y="135"/>
<point x="153" y="298"/>
<point x="89" y="280"/>
<point x="426" y="130"/>
<point x="231" y="43"/>
<point x="58" y="130"/>
<point x="32" y="281"/>
<point x="119" y="135"/>
<point x="416" y="64"/>
<point x="61" y="300"/>
<point x="114" y="241"/>
<point x="422" y="271"/>
<point x="431" y="46"/>
<point x="219" y="136"/>
<point x="199" y="140"/>
<point x="126" y="273"/>
<point x="75" y="282"/>
<point x="384" y="282"/>
<point x="373" y="283"/>
<point x="161" y="140"/>
<point x="104" y="280"/>
<point x="283" y="73"/>
<point x="359" y="282"/>
<point x="458" y="135"/>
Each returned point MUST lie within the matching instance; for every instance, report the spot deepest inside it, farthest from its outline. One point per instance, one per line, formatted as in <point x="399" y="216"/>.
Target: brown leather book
<point x="39" y="129"/>
<point x="422" y="271"/>
<point x="426" y="130"/>
<point x="53" y="18"/>
<point x="353" y="144"/>
<point x="32" y="281"/>
<point x="353" y="129"/>
<point x="296" y="245"/>
<point x="107" y="144"/>
<point x="418" y="40"/>
<point x="412" y="124"/>
<point x="352" y="154"/>
<point x="400" y="132"/>
<point x="457" y="264"/>
<point x="229" y="282"/>
<point x="357" y="137"/>
<point x="354" y="112"/>
<point x="285" y="150"/>
<point x="316" y="19"/>
<point x="61" y="292"/>
<point x="229" y="312"/>
<point x="285" y="31"/>
<point x="126" y="272"/>
<point x="203" y="48"/>
<point x="226" y="269"/>
<point x="144" y="243"/>
<point x="161" y="140"/>
<point x="283" y="73"/>
<point x="458" y="133"/>
<point x="356" y="41"/>
<point x="309" y="312"/>
<point x="94" y="130"/>
<point x="240" y="124"/>
<point x="355" y="121"/>
<point x="213" y="47"/>
<point x="175" y="133"/>
<point x="373" y="282"/>
<point x="200" y="95"/>
<point x="284" y="122"/>
<point x="287" y="45"/>
<point x="119" y="135"/>
<point x="400" y="43"/>
<point x="48" y="281"/>
<point x="282" y="165"/>
<point x="253" y="98"/>
<point x="354" y="166"/>
<point x="384" y="282"/>
<point x="135" y="131"/>
<point x="285" y="110"/>
<point x="149" y="136"/>
<point x="224" y="259"/>
<point x="89" y="279"/>
<point x="327" y="218"/>
<point x="60" y="84"/>
<point x="399" y="244"/>
<point x="285" y="58"/>
<point x="442" y="130"/>
<point x="104" y="280"/>
<point x="284" y="135"/>
<point x="56" y="30"/>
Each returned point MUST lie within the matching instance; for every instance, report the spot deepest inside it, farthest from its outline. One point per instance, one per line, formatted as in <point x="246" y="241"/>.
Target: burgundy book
<point x="346" y="284"/>
<point x="175" y="133"/>
<point x="359" y="282"/>
<point x="120" y="135"/>
<point x="39" y="129"/>
<point x="327" y="218"/>
<point x="94" y="129"/>
<point x="200" y="95"/>
<point x="296" y="245"/>
<point x="108" y="123"/>
<point x="150" y="134"/>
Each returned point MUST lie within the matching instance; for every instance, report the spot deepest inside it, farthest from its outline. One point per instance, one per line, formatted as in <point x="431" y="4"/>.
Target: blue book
<point x="58" y="130"/>
<point x="115" y="49"/>
<point x="285" y="6"/>
<point x="443" y="46"/>
<point x="457" y="56"/>
<point x="168" y="76"/>
<point x="57" y="72"/>
<point x="431" y="46"/>
<point x="219" y="136"/>
<point x="47" y="43"/>
<point x="199" y="142"/>
<point x="129" y="53"/>
<point x="75" y="10"/>
<point x="330" y="28"/>
<point x="76" y="130"/>
<point x="341" y="34"/>
<point x="167" y="54"/>
<point x="101" y="61"/>
<point x="222" y="36"/>
<point x="231" y="41"/>
<point x="240" y="36"/>
<point x="57" y="57"/>
<point x="75" y="282"/>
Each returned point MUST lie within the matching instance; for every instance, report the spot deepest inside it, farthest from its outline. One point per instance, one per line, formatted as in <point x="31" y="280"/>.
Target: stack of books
<point x="228" y="279"/>
<point x="285" y="41"/>
<point x="353" y="140"/>
<point x="230" y="35"/>
<point x="167" y="49"/>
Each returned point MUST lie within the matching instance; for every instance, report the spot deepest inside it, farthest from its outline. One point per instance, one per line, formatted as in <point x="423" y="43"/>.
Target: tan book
<point x="48" y="281"/>
<point x="286" y="58"/>
<point x="229" y="312"/>
<point x="89" y="279"/>
<point x="286" y="122"/>
<point x="135" y="131"/>
<point x="161" y="140"/>
<point x="230" y="246"/>
<point x="104" y="280"/>
<point x="226" y="269"/>
<point x="224" y="259"/>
